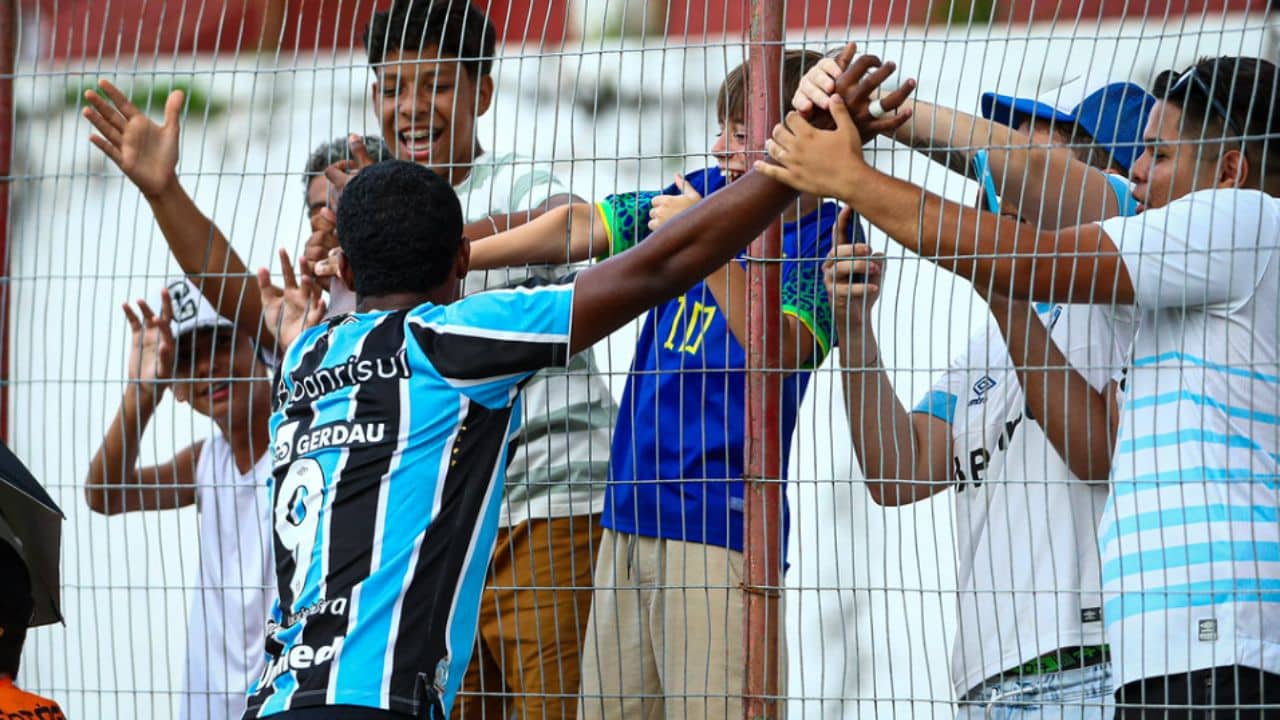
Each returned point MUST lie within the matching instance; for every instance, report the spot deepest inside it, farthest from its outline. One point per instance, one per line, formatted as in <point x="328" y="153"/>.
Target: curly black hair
<point x="400" y="226"/>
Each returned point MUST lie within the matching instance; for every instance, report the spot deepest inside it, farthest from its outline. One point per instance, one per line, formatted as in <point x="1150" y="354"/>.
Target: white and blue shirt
<point x="1190" y="538"/>
<point x="390" y="437"/>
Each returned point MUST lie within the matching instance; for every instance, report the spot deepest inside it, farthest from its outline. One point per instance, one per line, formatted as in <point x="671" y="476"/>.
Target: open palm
<point x="147" y="153"/>
<point x="288" y="311"/>
<point x="153" y="349"/>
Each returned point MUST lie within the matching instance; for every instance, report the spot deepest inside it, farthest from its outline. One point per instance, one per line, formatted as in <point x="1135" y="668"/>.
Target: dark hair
<point x="1226" y="98"/>
<point x="1083" y="147"/>
<point x="458" y="28"/>
<point x="16" y="605"/>
<point x="400" y="226"/>
<point x="338" y="149"/>
<point x="731" y="101"/>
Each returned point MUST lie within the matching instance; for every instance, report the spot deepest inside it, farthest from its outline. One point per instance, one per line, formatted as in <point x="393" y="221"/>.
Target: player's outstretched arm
<point x="1078" y="420"/>
<point x="904" y="455"/>
<point x="115" y="483"/>
<point x="705" y="237"/>
<point x="147" y="153"/>
<point x="1074" y="265"/>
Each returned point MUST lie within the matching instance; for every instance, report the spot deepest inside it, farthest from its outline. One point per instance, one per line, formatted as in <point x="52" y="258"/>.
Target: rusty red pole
<point x="8" y="57"/>
<point x="762" y="551"/>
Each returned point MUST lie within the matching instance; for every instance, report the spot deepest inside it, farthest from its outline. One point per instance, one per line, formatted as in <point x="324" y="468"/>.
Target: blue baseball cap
<point x="1114" y="114"/>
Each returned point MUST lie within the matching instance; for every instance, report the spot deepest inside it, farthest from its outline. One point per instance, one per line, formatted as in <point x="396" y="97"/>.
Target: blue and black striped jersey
<point x="389" y="434"/>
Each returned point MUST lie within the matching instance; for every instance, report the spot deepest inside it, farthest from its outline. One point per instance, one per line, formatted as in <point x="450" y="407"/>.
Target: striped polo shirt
<point x="1190" y="538"/>
<point x="560" y="461"/>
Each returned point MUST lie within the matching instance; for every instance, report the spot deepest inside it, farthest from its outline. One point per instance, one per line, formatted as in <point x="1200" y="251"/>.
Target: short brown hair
<point x="731" y="101"/>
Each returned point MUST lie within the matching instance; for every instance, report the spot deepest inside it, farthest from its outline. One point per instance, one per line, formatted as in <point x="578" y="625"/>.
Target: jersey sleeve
<point x="626" y="218"/>
<point x="987" y="183"/>
<point x="487" y="344"/>
<point x="1208" y="249"/>
<point x="626" y="215"/>
<point x="804" y="295"/>
<point x="1124" y="194"/>
<point x="1095" y="340"/>
<point x="943" y="399"/>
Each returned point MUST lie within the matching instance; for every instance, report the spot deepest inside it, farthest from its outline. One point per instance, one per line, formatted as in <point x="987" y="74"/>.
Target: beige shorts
<point x="665" y="637"/>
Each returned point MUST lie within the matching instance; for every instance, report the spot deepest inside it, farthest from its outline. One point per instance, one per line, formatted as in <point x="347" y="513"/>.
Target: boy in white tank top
<point x="207" y="363"/>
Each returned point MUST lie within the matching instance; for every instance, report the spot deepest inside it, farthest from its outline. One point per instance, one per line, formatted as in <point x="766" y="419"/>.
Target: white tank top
<point x="226" y="625"/>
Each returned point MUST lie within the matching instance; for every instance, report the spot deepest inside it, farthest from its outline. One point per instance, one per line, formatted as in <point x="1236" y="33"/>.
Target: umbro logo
<point x="980" y="389"/>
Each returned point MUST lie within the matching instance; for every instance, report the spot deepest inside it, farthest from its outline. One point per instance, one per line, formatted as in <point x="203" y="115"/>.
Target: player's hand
<point x="290" y="310"/>
<point x="853" y="275"/>
<point x="666" y="207"/>
<point x="823" y="162"/>
<point x="860" y="85"/>
<point x="147" y="153"/>
<point x="153" y="350"/>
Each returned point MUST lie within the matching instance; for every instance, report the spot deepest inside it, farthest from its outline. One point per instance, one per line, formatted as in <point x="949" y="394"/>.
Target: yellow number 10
<point x="697" y="323"/>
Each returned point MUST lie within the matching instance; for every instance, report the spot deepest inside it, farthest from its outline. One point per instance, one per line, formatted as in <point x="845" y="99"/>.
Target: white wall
<point x="870" y="611"/>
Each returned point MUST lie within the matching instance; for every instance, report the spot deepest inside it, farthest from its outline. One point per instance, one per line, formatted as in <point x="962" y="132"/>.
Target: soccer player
<point x="216" y="368"/>
<point x="391" y="431"/>
<point x="1188" y="537"/>
<point x="432" y="65"/>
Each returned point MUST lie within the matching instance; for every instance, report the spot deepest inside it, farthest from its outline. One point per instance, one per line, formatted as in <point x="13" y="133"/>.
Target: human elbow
<point x="102" y="500"/>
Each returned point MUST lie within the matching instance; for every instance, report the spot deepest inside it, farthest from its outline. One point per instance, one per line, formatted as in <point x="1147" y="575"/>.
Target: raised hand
<point x="292" y="309"/>
<point x="821" y="162"/>
<point x="323" y="240"/>
<point x="859" y="86"/>
<point x="852" y="274"/>
<point x="666" y="207"/>
<point x="152" y="352"/>
<point x="341" y="172"/>
<point x="147" y="153"/>
<point x="820" y="81"/>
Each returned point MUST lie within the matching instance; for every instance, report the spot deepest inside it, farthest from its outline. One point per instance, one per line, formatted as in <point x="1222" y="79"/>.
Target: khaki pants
<point x="665" y="637"/>
<point x="532" y="617"/>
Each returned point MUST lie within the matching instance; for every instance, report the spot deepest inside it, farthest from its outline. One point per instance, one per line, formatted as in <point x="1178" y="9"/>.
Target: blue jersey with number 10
<point x="676" y="464"/>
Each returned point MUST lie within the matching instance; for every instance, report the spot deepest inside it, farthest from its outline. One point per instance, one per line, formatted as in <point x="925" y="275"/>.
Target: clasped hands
<point x="821" y="153"/>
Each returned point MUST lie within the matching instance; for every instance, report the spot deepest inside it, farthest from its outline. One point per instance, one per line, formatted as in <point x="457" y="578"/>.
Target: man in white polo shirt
<point x="1030" y="639"/>
<point x="1190" y="540"/>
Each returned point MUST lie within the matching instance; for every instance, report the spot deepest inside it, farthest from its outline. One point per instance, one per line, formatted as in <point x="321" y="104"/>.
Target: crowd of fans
<point x="421" y="500"/>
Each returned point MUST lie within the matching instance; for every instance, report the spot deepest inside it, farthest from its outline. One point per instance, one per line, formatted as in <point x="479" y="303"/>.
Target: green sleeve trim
<point x="821" y="336"/>
<point x="606" y="219"/>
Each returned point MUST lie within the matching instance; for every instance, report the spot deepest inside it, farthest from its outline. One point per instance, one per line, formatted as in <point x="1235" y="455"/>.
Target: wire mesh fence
<point x="969" y="529"/>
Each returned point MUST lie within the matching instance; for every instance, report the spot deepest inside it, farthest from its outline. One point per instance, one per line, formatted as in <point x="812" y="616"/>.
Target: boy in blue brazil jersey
<point x="675" y="495"/>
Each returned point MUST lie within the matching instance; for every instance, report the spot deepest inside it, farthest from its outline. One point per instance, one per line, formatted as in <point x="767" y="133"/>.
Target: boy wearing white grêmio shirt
<point x="1189" y="539"/>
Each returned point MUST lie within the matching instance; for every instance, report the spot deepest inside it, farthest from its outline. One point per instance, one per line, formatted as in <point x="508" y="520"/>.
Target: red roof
<point x="85" y="28"/>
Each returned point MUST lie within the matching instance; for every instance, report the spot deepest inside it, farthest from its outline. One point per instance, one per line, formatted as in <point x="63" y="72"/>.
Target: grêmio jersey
<point x="389" y="435"/>
<point x="676" y="463"/>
